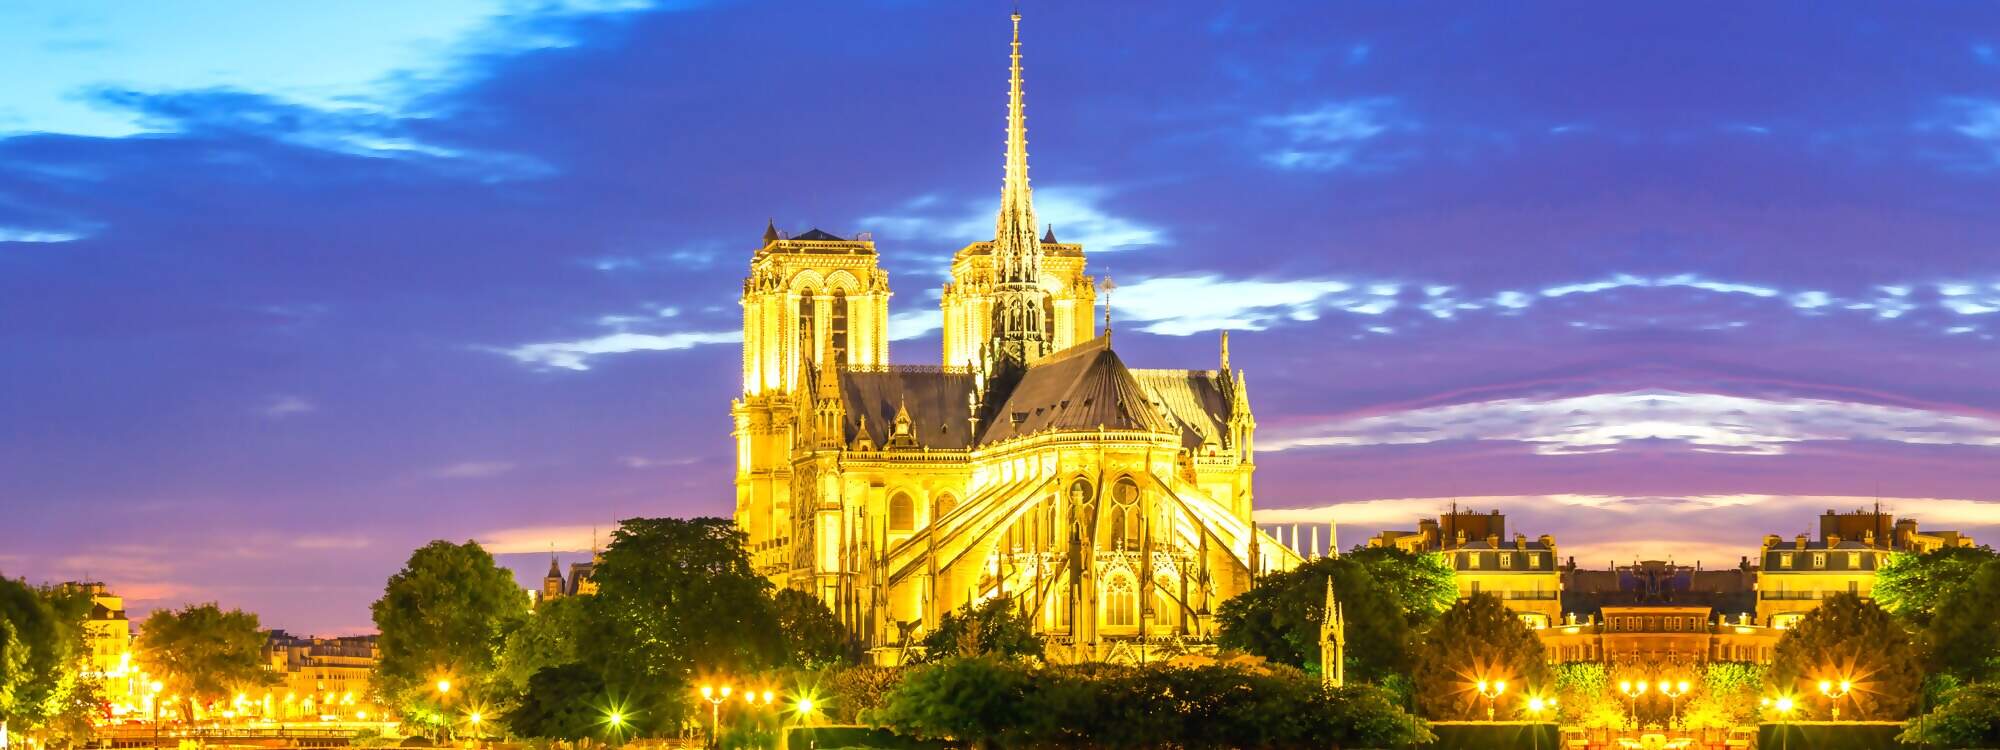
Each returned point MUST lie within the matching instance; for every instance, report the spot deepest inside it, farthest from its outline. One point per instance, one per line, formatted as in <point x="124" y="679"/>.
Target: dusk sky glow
<point x="286" y="292"/>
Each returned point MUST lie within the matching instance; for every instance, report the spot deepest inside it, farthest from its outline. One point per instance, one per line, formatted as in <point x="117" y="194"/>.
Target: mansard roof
<point x="938" y="400"/>
<point x="1084" y="387"/>
<point x="816" y="234"/>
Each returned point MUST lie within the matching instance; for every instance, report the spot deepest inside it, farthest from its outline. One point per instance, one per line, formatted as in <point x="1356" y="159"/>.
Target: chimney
<point x="1832" y="541"/>
<point x="1801" y="542"/>
<point x="1548" y="542"/>
<point x="1520" y="541"/>
<point x="1493" y="541"/>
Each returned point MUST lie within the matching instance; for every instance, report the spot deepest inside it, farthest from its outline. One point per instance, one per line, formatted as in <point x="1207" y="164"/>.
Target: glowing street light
<point x="1784" y="706"/>
<point x="715" y="698"/>
<point x="1535" y="707"/>
<point x="1491" y="692"/>
<point x="1632" y="691"/>
<point x="1673" y="691"/>
<point x="1834" y="693"/>
<point x="443" y="686"/>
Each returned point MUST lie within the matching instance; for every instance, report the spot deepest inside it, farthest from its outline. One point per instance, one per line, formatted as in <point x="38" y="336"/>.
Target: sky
<point x="287" y="291"/>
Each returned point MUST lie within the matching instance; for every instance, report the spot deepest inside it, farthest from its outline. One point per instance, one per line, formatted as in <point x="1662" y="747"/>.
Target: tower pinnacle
<point x="1021" y="327"/>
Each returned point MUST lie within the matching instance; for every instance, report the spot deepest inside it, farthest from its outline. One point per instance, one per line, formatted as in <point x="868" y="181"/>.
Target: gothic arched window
<point x="838" y="327"/>
<point x="946" y="504"/>
<point x="902" y="513"/>
<point x="1124" y="522"/>
<point x="806" y="349"/>
<point x="1121" y="601"/>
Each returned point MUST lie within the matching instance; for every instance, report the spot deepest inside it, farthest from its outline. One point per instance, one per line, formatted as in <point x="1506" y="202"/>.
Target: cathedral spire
<point x="1021" y="326"/>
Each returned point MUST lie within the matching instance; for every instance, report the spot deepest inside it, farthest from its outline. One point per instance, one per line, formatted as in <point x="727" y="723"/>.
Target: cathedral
<point x="1111" y="505"/>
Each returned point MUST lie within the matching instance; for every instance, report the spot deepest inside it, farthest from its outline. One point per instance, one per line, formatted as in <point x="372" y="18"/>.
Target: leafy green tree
<point x="1970" y="719"/>
<point x="1279" y="620"/>
<point x="995" y="626"/>
<point x="1964" y="632"/>
<point x="676" y="598"/>
<point x="444" y="616"/>
<point x="981" y="701"/>
<point x="43" y="693"/>
<point x="814" y="637"/>
<point x="1853" y="639"/>
<point x="851" y="691"/>
<point x="1584" y="695"/>
<point x="203" y="653"/>
<point x="547" y="638"/>
<point x="566" y="702"/>
<point x="1913" y="585"/>
<point x="1423" y="584"/>
<point x="1477" y="639"/>
<point x="1725" y="697"/>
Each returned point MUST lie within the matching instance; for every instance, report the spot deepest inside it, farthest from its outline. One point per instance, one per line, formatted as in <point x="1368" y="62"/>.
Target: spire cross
<point x="1108" y="286"/>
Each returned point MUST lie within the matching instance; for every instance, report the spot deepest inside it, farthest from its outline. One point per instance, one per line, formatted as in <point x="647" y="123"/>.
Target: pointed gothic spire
<point x="1049" y="237"/>
<point x="1017" y="210"/>
<point x="771" y="231"/>
<point x="1020" y="326"/>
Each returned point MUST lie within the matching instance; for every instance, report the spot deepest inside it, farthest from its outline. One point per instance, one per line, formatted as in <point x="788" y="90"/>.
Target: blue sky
<point x="286" y="291"/>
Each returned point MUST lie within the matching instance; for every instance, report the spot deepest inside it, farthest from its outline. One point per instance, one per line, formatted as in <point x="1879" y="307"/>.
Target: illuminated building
<point x="321" y="677"/>
<point x="1111" y="504"/>
<point x="1800" y="572"/>
<point x="1520" y="571"/>
<point x="107" y="637"/>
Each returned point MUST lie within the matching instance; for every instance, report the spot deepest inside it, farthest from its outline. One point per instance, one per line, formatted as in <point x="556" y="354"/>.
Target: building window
<point x="1853" y="561"/>
<point x="902" y="513"/>
<point x="946" y="504"/>
<point x="1854" y="587"/>
<point x="1819" y="561"/>
<point x="1506" y="560"/>
<point x="1121" y="602"/>
<point x="806" y="349"/>
<point x="1124" y="522"/>
<point x="1784" y="559"/>
<point x="1534" y="561"/>
<point x="839" y="327"/>
<point x="1674" y="624"/>
<point x="1472" y="561"/>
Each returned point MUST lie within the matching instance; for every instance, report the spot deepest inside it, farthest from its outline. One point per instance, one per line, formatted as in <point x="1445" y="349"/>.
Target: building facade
<point x="321" y="678"/>
<point x="1521" y="572"/>
<point x="1111" y="504"/>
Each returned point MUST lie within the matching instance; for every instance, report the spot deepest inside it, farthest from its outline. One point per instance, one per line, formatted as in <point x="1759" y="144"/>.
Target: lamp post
<point x="1834" y="692"/>
<point x="1491" y="691"/>
<point x="1535" y="706"/>
<point x="1784" y="718"/>
<point x="444" y="696"/>
<point x="1673" y="692"/>
<point x="715" y="698"/>
<point x="1632" y="692"/>
<point x="156" y="687"/>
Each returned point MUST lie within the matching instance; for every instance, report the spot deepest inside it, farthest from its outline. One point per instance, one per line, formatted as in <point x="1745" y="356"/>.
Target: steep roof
<point x="817" y="234"/>
<point x="1084" y="387"/>
<point x="1195" y="400"/>
<point x="938" y="401"/>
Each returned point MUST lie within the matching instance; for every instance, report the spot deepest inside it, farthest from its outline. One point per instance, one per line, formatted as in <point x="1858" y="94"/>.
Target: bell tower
<point x="813" y="302"/>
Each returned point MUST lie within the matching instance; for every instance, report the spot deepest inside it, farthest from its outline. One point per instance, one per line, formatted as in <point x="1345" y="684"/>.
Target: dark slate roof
<point x="1195" y="400"/>
<point x="938" y="400"/>
<point x="1084" y="387"/>
<point x="817" y="234"/>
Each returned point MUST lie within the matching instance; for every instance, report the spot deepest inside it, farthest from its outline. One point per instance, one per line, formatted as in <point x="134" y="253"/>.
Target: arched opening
<point x="838" y="327"/>
<point x="902" y="513"/>
<point x="806" y="349"/>
<point x="1122" y="526"/>
<point x="946" y="504"/>
<point x="1121" y="601"/>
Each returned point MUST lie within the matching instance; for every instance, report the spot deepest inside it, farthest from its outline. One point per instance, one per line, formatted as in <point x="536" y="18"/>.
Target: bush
<point x="1845" y="735"/>
<point x="1971" y="718"/>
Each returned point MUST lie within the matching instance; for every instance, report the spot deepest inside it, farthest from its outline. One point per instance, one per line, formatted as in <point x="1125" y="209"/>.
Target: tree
<point x="1280" y="619"/>
<point x="1423" y="584"/>
<point x="995" y="626"/>
<point x="813" y="636"/>
<point x="977" y="700"/>
<point x="1913" y="585"/>
<point x="1584" y="696"/>
<point x="566" y="702"/>
<point x="1477" y="639"/>
<point x="1725" y="697"/>
<point x="1971" y="718"/>
<point x="443" y="617"/>
<point x="1851" y="639"/>
<point x="42" y="690"/>
<point x="675" y="598"/>
<point x="546" y="638"/>
<point x="1963" y="635"/>
<point x="203" y="653"/>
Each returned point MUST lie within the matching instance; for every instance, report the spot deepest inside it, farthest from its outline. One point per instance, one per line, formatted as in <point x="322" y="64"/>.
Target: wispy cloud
<point x="1603" y="422"/>
<point x="577" y="355"/>
<point x="280" y="407"/>
<point x="1181" y="305"/>
<point x="472" y="470"/>
<point x="1328" y="137"/>
<point x="569" y="538"/>
<point x="20" y="234"/>
<point x="1077" y="213"/>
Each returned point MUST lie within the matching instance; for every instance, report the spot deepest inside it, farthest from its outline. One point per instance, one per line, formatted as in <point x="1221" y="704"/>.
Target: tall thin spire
<point x="1020" y="314"/>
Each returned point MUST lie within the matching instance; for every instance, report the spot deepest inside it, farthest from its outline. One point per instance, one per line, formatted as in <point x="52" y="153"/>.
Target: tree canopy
<point x="566" y="702"/>
<point x="813" y="636"/>
<point x="1423" y="584"/>
<point x="1964" y="631"/>
<point x="1280" y="619"/>
<point x="995" y="626"/>
<point x="443" y="617"/>
<point x="203" y="653"/>
<point x="1477" y="639"/>
<point x="1970" y="719"/>
<point x="1913" y="585"/>
<point x="1848" y="638"/>
<point x="546" y="638"/>
<point x="42" y="689"/>
<point x="676" y="598"/>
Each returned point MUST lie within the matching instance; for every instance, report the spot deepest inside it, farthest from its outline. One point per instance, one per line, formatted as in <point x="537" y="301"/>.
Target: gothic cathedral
<point x="1110" y="504"/>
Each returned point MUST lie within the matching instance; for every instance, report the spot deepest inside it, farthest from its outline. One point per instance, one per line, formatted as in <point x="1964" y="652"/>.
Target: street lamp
<point x="1632" y="692"/>
<point x="154" y="699"/>
<point x="1673" y="692"/>
<point x="715" y="698"/>
<point x="1784" y="706"/>
<point x="1535" y="706"/>
<point x="1491" y="692"/>
<point x="1834" y="693"/>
